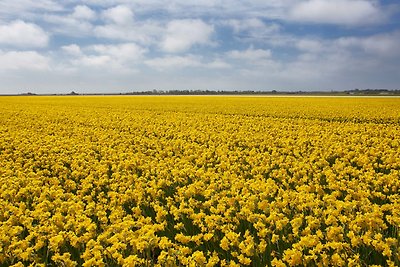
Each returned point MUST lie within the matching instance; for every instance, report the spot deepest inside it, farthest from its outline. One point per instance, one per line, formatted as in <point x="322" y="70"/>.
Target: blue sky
<point x="120" y="46"/>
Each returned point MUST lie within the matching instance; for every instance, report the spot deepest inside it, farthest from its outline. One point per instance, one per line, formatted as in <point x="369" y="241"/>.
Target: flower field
<point x="199" y="181"/>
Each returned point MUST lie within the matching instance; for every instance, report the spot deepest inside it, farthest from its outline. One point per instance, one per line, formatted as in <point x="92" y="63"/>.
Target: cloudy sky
<point x="102" y="46"/>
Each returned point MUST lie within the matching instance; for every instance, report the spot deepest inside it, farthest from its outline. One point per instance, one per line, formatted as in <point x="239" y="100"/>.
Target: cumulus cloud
<point x="223" y="8"/>
<point x="72" y="49"/>
<point x="120" y="15"/>
<point x="76" y="23"/>
<point x="310" y="45"/>
<point x="181" y="35"/>
<point x="119" y="24"/>
<point x="250" y="54"/>
<point x="23" y="60"/>
<point x="244" y="25"/>
<point x="27" y="8"/>
<point x="256" y="31"/>
<point x="94" y="61"/>
<point x="22" y="34"/>
<point x="145" y="33"/>
<point x="172" y="62"/>
<point x="69" y="26"/>
<point x="83" y="12"/>
<point x="120" y="52"/>
<point x="259" y="43"/>
<point x="383" y="45"/>
<point x="340" y="12"/>
<point x="121" y="57"/>
<point x="218" y="64"/>
<point x="251" y="28"/>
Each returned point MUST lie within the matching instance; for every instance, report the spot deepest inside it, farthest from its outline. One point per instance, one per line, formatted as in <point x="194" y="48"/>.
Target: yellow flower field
<point x="199" y="181"/>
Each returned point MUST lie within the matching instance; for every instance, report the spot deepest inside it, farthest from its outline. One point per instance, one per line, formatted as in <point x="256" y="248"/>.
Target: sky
<point x="113" y="46"/>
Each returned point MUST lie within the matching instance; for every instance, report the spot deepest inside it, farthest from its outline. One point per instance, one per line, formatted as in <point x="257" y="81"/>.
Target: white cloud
<point x="218" y="64"/>
<point x="21" y="34"/>
<point x="309" y="45"/>
<point x="94" y="61"/>
<point x="120" y="57"/>
<point x="146" y="33"/>
<point x="340" y="12"/>
<point x="23" y="60"/>
<point x="76" y="23"/>
<point x="72" y="49"/>
<point x="181" y="35"/>
<point x="172" y="62"/>
<point x="13" y="9"/>
<point x="250" y="54"/>
<point x="255" y="31"/>
<point x="119" y="24"/>
<point x="120" y="15"/>
<point x="138" y="36"/>
<point x="69" y="25"/>
<point x="122" y="52"/>
<point x="251" y="28"/>
<point x="383" y="45"/>
<point x="245" y="24"/>
<point x="222" y="8"/>
<point x="83" y="12"/>
<point x="49" y="5"/>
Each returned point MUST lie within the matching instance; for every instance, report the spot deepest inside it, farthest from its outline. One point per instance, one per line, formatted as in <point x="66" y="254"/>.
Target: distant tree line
<point x="243" y="92"/>
<point x="273" y="92"/>
<point x="373" y="92"/>
<point x="200" y="92"/>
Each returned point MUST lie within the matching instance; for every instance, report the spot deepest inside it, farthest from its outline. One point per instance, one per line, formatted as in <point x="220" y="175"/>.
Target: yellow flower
<point x="224" y="244"/>
<point x="244" y="260"/>
<point x="208" y="236"/>
<point x="182" y="238"/>
<point x="337" y="260"/>
<point x="277" y="263"/>
<point x="198" y="258"/>
<point x="293" y="257"/>
<point x="133" y="260"/>
<point x="120" y="180"/>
